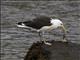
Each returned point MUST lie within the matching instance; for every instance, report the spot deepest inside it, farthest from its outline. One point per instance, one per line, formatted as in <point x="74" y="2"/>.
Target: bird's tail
<point x="21" y="24"/>
<point x="25" y="24"/>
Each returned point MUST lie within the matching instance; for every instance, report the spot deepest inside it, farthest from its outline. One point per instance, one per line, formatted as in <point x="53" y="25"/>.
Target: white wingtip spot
<point x="48" y="43"/>
<point x="64" y="40"/>
<point x="21" y="26"/>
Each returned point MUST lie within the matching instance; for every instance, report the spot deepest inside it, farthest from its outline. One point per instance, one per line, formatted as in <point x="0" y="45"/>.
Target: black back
<point x="38" y="22"/>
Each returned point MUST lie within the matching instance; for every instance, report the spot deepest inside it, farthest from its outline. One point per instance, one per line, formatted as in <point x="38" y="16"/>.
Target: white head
<point x="57" y="23"/>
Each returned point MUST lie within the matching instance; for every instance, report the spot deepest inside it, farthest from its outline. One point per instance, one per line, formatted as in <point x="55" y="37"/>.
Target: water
<point x="16" y="41"/>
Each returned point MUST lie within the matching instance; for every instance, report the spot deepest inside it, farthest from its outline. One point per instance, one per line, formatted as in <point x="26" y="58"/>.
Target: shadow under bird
<point x="42" y="24"/>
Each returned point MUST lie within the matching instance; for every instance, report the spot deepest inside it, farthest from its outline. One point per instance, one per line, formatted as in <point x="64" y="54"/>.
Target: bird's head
<point x="58" y="24"/>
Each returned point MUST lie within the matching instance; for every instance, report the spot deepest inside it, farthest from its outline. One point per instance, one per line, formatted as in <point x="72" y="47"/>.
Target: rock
<point x="57" y="51"/>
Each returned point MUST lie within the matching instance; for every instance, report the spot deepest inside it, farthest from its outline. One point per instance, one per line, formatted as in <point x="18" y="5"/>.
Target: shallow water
<point x="16" y="41"/>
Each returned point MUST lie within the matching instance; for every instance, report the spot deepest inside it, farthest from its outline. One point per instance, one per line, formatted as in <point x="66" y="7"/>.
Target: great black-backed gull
<point x="43" y="23"/>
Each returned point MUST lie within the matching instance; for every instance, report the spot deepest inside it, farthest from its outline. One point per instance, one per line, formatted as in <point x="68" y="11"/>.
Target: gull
<point x="42" y="24"/>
